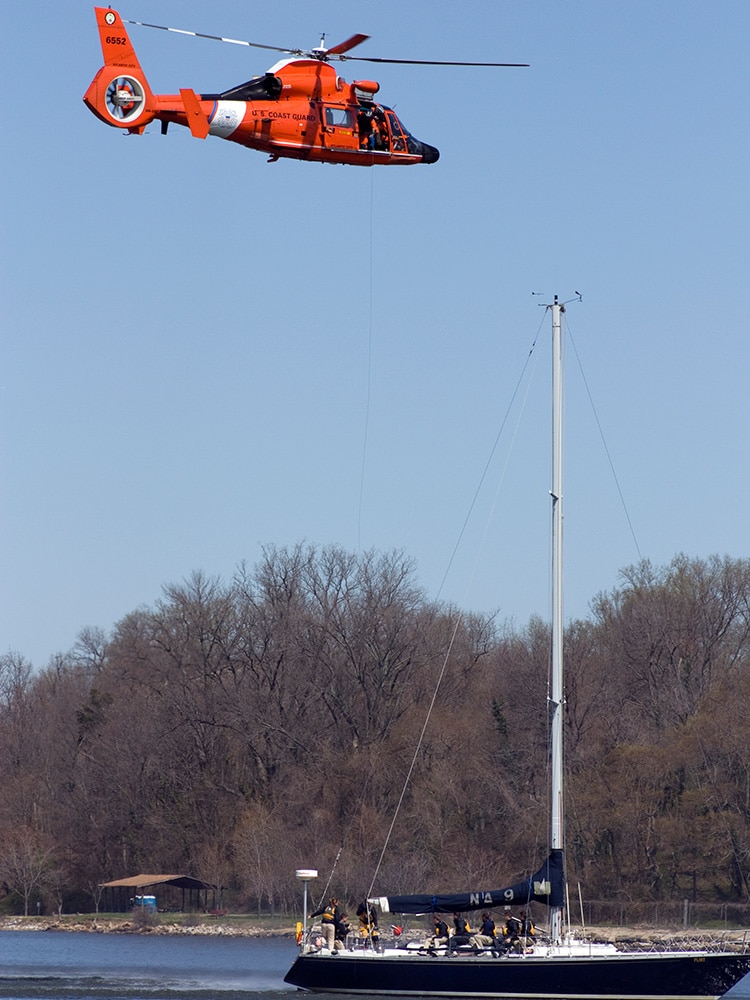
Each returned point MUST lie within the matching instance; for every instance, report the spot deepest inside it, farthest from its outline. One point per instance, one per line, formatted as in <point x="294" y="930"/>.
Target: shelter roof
<point x="142" y="881"/>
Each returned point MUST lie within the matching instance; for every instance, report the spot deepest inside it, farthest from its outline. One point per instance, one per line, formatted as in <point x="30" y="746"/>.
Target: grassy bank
<point x="242" y="925"/>
<point x="230" y="925"/>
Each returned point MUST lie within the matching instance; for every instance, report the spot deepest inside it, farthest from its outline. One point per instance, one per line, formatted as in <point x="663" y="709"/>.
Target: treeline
<point x="237" y="731"/>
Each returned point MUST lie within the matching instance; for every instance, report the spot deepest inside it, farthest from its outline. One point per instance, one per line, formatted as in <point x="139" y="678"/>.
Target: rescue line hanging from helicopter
<point x="299" y="108"/>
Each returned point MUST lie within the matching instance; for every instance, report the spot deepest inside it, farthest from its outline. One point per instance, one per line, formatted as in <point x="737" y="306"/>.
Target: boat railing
<point x="692" y="943"/>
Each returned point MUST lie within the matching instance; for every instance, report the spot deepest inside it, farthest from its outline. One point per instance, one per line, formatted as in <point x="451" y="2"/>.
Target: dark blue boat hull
<point x="622" y="976"/>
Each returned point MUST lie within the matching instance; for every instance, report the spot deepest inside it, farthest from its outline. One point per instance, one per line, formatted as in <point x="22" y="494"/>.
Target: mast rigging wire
<point x="459" y="615"/>
<point x="603" y="438"/>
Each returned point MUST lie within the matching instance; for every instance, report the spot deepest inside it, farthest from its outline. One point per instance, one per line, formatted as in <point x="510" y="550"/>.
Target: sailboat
<point x="563" y="966"/>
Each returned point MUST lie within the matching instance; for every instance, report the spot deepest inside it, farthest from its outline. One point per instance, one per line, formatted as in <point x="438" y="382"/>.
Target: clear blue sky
<point x="188" y="333"/>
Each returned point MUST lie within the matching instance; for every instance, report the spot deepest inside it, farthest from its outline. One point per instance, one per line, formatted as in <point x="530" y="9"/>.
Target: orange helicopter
<point x="300" y="108"/>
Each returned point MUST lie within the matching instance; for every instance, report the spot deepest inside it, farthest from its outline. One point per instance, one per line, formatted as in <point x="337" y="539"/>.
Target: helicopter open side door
<point x="339" y="127"/>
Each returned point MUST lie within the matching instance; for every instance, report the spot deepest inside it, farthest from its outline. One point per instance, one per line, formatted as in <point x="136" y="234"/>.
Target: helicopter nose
<point x="429" y="153"/>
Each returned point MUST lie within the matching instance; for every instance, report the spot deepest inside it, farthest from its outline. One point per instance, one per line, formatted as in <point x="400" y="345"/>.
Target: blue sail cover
<point x="545" y="886"/>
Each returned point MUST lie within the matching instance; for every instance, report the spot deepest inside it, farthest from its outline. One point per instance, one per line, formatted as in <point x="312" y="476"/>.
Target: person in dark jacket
<point x="330" y="917"/>
<point x="342" y="932"/>
<point x="440" y="933"/>
<point x="368" y="923"/>
<point x="511" y="932"/>
<point x="461" y="933"/>
<point x="527" y="929"/>
<point x="486" y="936"/>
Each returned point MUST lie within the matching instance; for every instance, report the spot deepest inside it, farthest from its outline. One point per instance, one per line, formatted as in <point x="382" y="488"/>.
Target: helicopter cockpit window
<point x="398" y="133"/>
<point x="340" y="117"/>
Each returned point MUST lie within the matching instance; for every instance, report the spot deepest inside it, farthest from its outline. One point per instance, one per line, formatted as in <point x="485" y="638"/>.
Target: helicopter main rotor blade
<point x="217" y="38"/>
<point x="336" y="52"/>
<point x="427" y="62"/>
<point x="350" y="43"/>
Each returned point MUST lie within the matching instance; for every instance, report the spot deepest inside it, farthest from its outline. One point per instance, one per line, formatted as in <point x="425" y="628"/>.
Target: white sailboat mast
<point x="556" y="692"/>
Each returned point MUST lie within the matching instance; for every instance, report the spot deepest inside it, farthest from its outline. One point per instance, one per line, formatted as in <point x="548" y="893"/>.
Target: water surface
<point x="58" y="965"/>
<point x="61" y="965"/>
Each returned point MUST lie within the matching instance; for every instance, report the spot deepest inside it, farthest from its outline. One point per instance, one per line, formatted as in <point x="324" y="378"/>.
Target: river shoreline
<point x="227" y="926"/>
<point x="161" y="925"/>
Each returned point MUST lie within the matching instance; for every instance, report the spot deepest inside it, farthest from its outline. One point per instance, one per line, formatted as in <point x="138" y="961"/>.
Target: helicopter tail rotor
<point x="124" y="98"/>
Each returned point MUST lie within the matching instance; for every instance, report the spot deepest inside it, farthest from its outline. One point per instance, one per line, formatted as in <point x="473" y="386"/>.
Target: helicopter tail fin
<point x="119" y="93"/>
<point x="117" y="48"/>
<point x="197" y="119"/>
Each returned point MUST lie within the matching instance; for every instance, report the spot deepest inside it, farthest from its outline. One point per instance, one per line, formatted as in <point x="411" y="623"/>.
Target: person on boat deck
<point x="486" y="936"/>
<point x="527" y="928"/>
<point x="368" y="923"/>
<point x="331" y="915"/>
<point x="511" y="931"/>
<point x="461" y="933"/>
<point x="441" y="933"/>
<point x="341" y="932"/>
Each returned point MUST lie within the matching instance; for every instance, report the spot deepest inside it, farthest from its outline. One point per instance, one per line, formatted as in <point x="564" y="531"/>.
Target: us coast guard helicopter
<point x="299" y="108"/>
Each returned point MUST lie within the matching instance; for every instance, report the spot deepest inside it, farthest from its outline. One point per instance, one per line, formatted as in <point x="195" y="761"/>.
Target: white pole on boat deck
<point x="556" y="694"/>
<point x="306" y="874"/>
